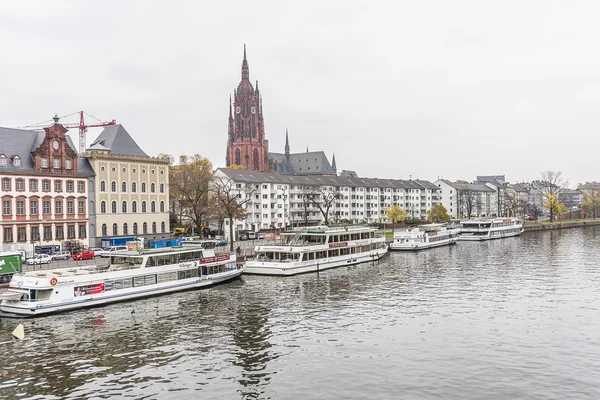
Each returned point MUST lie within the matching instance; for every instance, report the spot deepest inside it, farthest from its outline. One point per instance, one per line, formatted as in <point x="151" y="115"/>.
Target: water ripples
<point x="514" y="318"/>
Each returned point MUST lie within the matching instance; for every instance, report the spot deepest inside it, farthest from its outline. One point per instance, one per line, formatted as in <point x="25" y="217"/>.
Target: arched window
<point x="103" y="207"/>
<point x="134" y="206"/>
<point x="255" y="156"/>
<point x="104" y="233"/>
<point x="125" y="231"/>
<point x="154" y="227"/>
<point x="113" y="186"/>
<point x="135" y="228"/>
<point x="153" y="206"/>
<point x="152" y="187"/>
<point x="102" y="186"/>
<point x="145" y="228"/>
<point x="115" y="229"/>
<point x="124" y="207"/>
<point x="162" y="206"/>
<point x="143" y="187"/>
<point x="133" y="187"/>
<point x="162" y="187"/>
<point x="124" y="187"/>
<point x="143" y="206"/>
<point x="238" y="157"/>
<point x="113" y="207"/>
<point x="162" y="227"/>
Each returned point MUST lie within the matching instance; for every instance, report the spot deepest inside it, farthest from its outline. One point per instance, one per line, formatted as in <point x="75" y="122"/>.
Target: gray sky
<point x="427" y="88"/>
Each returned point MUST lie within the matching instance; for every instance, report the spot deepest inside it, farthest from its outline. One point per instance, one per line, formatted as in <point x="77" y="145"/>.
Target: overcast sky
<point x="425" y="89"/>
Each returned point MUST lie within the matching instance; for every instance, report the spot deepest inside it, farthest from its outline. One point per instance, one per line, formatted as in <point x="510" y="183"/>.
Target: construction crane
<point x="81" y="125"/>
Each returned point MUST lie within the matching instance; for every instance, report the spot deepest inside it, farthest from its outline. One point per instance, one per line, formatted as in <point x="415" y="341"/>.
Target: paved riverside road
<point x="65" y="264"/>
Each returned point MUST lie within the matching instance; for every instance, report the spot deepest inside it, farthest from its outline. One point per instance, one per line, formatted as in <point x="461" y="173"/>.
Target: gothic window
<point x="238" y="157"/>
<point x="256" y="160"/>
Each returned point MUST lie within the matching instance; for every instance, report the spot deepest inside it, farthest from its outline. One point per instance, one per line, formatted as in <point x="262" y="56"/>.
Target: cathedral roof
<point x="309" y="163"/>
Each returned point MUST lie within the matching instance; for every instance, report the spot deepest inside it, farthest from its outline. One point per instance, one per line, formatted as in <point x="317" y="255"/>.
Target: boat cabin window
<point x="190" y="255"/>
<point x="277" y="256"/>
<point x="37" y="295"/>
<point x="126" y="262"/>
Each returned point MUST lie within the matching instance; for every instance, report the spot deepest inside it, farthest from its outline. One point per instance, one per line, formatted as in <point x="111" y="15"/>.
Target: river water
<point x="515" y="318"/>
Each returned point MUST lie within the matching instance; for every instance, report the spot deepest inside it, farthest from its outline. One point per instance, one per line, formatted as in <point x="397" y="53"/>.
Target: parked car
<point x="39" y="259"/>
<point x="84" y="255"/>
<point x="260" y="235"/>
<point x="112" y="250"/>
<point x="221" y="242"/>
<point x="98" y="251"/>
<point x="243" y="236"/>
<point x="61" y="255"/>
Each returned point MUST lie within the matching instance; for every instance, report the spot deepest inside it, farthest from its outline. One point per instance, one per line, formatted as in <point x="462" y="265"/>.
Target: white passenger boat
<point x="486" y="229"/>
<point x="129" y="275"/>
<point x="424" y="237"/>
<point x="317" y="248"/>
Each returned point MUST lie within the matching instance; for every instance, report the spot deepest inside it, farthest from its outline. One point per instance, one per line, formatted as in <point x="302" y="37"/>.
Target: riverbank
<point x="545" y="226"/>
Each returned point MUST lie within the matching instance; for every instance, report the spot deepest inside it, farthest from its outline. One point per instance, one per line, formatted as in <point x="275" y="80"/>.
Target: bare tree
<point x="467" y="200"/>
<point x="306" y="199"/>
<point x="551" y="184"/>
<point x="230" y="199"/>
<point x="324" y="199"/>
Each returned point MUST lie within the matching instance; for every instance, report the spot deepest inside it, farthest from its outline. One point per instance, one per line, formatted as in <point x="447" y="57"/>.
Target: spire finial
<point x="55" y="118"/>
<point x="244" y="51"/>
<point x="245" y="69"/>
<point x="333" y="166"/>
<point x="287" y="143"/>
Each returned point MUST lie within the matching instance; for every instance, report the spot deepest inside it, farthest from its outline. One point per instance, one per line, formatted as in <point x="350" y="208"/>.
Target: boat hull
<point x="303" y="267"/>
<point x="32" y="309"/>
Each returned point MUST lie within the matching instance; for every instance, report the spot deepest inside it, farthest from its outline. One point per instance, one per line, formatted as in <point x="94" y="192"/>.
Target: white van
<point x="112" y="250"/>
<point x="251" y="235"/>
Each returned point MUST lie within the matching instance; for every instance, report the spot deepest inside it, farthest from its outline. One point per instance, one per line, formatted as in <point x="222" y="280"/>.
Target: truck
<point x="10" y="263"/>
<point x="117" y="241"/>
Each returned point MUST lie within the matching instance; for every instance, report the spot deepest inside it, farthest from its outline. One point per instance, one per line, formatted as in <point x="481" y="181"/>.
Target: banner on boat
<point x="88" y="289"/>
<point x="339" y="244"/>
<point x="207" y="260"/>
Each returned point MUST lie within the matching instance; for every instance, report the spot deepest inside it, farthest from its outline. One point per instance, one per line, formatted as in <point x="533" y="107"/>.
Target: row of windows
<point x="134" y="208"/>
<point x="48" y="233"/>
<point x="56" y="164"/>
<point x="113" y="187"/>
<point x="46" y="185"/>
<point x="133" y="170"/>
<point x="125" y="229"/>
<point x="46" y="207"/>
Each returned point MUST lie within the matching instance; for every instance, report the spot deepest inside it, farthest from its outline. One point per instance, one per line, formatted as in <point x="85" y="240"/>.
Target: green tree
<point x="437" y="214"/>
<point x="397" y="214"/>
<point x="591" y="202"/>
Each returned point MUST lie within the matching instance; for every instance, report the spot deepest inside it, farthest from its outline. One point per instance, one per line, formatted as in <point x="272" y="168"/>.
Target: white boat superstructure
<point x="317" y="248"/>
<point x="424" y="237"/>
<point x="129" y="275"/>
<point x="486" y="229"/>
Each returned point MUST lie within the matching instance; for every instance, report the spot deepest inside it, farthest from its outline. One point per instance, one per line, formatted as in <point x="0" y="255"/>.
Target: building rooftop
<point x="116" y="139"/>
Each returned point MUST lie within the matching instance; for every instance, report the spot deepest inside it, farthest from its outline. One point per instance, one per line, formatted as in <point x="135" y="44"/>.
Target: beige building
<point x="131" y="190"/>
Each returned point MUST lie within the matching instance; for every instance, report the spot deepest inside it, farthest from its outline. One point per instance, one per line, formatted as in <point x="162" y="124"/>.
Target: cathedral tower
<point x="246" y="143"/>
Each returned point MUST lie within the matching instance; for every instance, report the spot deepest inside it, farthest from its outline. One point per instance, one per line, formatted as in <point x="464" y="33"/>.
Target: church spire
<point x="245" y="69"/>
<point x="333" y="166"/>
<point x="287" y="144"/>
<point x="230" y="111"/>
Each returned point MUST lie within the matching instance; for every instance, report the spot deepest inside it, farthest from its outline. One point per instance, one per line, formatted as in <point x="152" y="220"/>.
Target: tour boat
<point x="486" y="229"/>
<point x="128" y="275"/>
<point x="424" y="237"/>
<point x="317" y="248"/>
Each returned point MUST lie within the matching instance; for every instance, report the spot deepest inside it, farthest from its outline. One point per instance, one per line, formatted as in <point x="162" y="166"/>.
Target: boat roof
<point x="161" y="250"/>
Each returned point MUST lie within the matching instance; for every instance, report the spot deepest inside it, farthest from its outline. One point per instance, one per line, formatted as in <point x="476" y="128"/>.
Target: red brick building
<point x="246" y="143"/>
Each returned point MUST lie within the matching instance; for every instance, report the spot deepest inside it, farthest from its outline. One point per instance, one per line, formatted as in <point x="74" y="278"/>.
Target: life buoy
<point x="53" y="281"/>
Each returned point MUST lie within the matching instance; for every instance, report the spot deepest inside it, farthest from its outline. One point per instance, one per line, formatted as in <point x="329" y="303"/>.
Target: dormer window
<point x="68" y="163"/>
<point x="44" y="162"/>
<point x="56" y="163"/>
<point x="17" y="161"/>
<point x="3" y="160"/>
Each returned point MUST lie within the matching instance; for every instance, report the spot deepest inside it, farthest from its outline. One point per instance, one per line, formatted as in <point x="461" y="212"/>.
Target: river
<point x="514" y="318"/>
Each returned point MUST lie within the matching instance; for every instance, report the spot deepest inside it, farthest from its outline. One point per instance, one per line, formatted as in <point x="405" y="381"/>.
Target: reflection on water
<point x="513" y="318"/>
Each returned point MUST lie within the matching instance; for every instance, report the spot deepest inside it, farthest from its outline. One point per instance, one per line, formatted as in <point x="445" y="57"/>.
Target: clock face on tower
<point x="55" y="144"/>
<point x="238" y="110"/>
<point x="253" y="110"/>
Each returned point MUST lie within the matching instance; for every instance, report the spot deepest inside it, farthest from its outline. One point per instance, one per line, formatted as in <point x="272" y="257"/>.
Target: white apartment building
<point x="131" y="192"/>
<point x="275" y="201"/>
<point x="44" y="189"/>
<point x="462" y="199"/>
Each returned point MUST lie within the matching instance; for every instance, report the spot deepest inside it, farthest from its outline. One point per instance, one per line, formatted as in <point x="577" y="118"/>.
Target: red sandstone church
<point x="246" y="143"/>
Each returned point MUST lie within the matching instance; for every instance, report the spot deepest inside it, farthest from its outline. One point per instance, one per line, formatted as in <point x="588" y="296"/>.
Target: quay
<point x="535" y="227"/>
